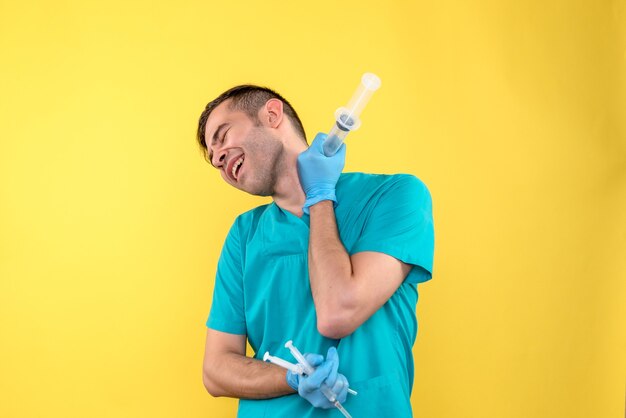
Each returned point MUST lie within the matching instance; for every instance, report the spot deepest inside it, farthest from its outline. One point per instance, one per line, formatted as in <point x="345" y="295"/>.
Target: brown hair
<point x="249" y="99"/>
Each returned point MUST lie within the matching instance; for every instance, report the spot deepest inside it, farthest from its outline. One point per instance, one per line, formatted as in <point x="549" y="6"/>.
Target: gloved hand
<point x="314" y="360"/>
<point x="318" y="173"/>
<point x="309" y="387"/>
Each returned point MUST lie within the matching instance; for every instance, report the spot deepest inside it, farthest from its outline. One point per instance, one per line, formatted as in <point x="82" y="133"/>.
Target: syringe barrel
<point x="296" y="368"/>
<point x="333" y="141"/>
<point x="308" y="369"/>
<point x="369" y="84"/>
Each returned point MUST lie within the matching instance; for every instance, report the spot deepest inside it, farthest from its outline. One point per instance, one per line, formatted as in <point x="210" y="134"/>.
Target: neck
<point x="288" y="192"/>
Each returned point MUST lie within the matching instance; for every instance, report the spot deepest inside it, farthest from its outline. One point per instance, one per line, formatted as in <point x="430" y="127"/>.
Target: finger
<point x="333" y="358"/>
<point x="314" y="381"/>
<point x="342" y="393"/>
<point x="338" y="386"/>
<point x="319" y="141"/>
<point x="314" y="359"/>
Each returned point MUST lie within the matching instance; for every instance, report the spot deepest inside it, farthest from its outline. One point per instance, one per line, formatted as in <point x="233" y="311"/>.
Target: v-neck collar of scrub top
<point x="304" y="219"/>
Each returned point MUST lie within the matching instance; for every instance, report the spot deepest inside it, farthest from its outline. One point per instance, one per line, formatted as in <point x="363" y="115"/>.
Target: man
<point x="332" y="264"/>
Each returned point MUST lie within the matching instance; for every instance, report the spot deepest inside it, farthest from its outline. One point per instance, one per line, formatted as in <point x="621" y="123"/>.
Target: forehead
<point x="221" y="114"/>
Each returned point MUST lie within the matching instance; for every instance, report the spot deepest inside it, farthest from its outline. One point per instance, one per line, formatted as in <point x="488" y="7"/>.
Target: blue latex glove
<point x="294" y="379"/>
<point x="319" y="173"/>
<point x="309" y="387"/>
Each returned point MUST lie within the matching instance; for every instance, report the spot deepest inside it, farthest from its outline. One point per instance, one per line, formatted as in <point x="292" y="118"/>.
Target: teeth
<point x="236" y="166"/>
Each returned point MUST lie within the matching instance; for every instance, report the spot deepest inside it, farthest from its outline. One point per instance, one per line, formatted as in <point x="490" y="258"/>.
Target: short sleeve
<point x="227" y="309"/>
<point x="401" y="225"/>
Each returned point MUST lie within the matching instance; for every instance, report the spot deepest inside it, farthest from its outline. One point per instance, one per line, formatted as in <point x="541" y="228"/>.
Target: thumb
<point x="318" y="141"/>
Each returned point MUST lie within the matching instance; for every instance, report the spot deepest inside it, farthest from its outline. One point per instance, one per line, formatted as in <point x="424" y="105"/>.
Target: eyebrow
<point x="216" y="135"/>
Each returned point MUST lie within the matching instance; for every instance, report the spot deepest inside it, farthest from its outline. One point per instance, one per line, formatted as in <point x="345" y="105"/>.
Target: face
<point x="247" y="154"/>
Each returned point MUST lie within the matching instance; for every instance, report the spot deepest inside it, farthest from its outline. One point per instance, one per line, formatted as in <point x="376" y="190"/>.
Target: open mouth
<point x="237" y="168"/>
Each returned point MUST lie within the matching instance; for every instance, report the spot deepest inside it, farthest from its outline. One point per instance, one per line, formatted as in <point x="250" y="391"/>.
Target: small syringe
<point x="304" y="367"/>
<point x="347" y="118"/>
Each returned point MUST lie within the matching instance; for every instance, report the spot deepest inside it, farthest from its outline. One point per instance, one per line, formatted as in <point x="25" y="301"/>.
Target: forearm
<point x="330" y="269"/>
<point x="237" y="376"/>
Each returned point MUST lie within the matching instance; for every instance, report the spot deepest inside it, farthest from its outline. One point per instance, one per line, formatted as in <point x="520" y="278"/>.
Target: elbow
<point x="335" y="326"/>
<point x="338" y="318"/>
<point x="332" y="331"/>
<point x="211" y="386"/>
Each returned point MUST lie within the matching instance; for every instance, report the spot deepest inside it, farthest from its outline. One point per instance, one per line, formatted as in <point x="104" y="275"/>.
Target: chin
<point x="257" y="188"/>
<point x="263" y="192"/>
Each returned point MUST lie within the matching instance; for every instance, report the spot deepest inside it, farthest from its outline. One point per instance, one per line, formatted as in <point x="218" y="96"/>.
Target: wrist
<point x="322" y="205"/>
<point x="326" y="199"/>
<point x="293" y="380"/>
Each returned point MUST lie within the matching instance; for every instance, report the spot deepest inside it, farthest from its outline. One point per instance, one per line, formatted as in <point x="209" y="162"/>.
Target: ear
<point x="273" y="112"/>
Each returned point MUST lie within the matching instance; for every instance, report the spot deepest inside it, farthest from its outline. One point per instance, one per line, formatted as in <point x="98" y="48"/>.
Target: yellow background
<point x="512" y="112"/>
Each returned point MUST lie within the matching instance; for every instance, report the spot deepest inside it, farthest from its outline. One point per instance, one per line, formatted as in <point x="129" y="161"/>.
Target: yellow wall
<point x="513" y="113"/>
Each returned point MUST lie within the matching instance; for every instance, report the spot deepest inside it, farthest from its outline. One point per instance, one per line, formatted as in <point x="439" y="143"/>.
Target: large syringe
<point x="347" y="118"/>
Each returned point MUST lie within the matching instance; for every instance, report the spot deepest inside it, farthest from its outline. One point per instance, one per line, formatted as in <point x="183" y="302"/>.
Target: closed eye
<point x="220" y="137"/>
<point x="224" y="136"/>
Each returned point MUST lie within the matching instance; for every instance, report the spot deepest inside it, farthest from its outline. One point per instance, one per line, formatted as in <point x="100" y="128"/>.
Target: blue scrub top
<point x="262" y="290"/>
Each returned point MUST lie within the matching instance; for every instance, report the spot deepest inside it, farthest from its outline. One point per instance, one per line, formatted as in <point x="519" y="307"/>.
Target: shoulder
<point x="366" y="184"/>
<point x="246" y="223"/>
<point x="409" y="184"/>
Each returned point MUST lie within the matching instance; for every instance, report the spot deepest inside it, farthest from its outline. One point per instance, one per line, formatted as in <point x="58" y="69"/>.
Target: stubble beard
<point x="270" y="153"/>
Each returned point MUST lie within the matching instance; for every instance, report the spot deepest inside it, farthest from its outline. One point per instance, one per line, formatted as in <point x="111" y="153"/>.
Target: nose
<point x="219" y="157"/>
